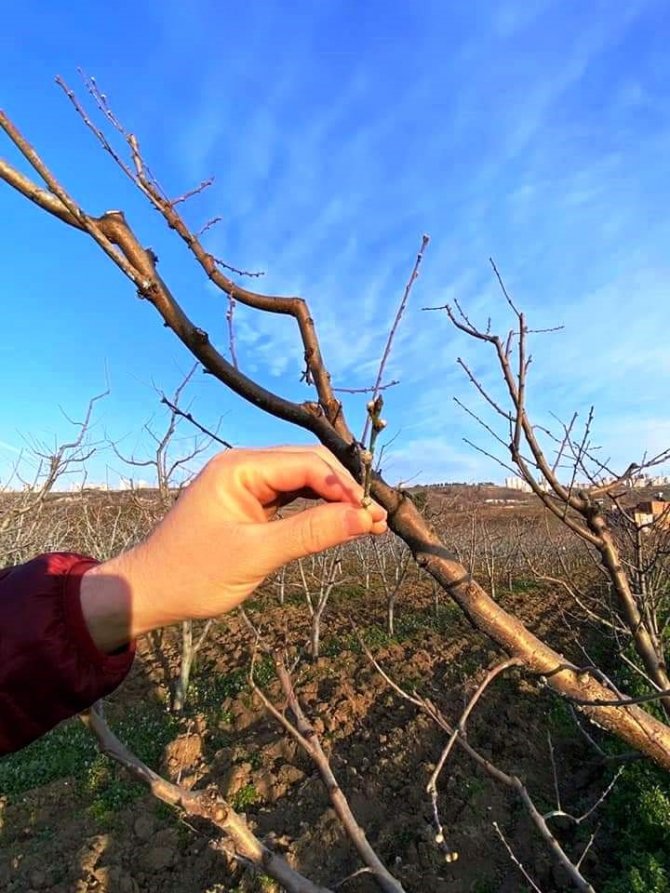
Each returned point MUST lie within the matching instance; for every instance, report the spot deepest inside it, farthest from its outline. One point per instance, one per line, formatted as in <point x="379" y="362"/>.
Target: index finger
<point x="285" y="471"/>
<point x="320" y="450"/>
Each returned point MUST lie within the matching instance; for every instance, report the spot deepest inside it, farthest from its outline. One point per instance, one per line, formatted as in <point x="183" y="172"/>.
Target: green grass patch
<point x="408" y="624"/>
<point x="209" y="688"/>
<point x="561" y="721"/>
<point x="66" y="751"/>
<point x="347" y="592"/>
<point x="110" y="790"/>
<point x="70" y="751"/>
<point x="637" y="815"/>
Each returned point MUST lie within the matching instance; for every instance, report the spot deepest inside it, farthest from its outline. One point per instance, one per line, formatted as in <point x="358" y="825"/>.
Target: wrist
<point x="114" y="606"/>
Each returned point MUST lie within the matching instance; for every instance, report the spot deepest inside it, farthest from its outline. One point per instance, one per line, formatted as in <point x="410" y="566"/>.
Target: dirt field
<point x="70" y="821"/>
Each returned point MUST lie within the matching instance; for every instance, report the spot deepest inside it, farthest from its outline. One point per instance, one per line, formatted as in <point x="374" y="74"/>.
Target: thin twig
<point x="305" y="734"/>
<point x="514" y="859"/>
<point x="373" y="389"/>
<point x="189" y="417"/>
<point x="401" y="309"/>
<point x="431" y="787"/>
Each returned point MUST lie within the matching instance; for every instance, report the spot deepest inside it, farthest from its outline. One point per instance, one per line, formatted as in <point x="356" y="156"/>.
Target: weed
<point x="97" y="775"/>
<point x="638" y="814"/>
<point x="112" y="799"/>
<point x="253" y="758"/>
<point x="217" y="739"/>
<point x="147" y="730"/>
<point x="410" y="682"/>
<point x="349" y="592"/>
<point x="475" y="787"/>
<point x="560" y="718"/>
<point x="107" y="786"/>
<point x="65" y="751"/>
<point x="376" y="637"/>
<point x="163" y="811"/>
<point x="402" y="840"/>
<point x="245" y="797"/>
<point x="262" y="883"/>
<point x="410" y="623"/>
<point x="209" y="688"/>
<point x="256" y="760"/>
<point x="333" y="646"/>
<point x="264" y="671"/>
<point x="524" y="585"/>
<point x="70" y="751"/>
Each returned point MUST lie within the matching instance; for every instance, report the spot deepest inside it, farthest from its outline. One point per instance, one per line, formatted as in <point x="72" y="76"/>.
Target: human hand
<point x="215" y="545"/>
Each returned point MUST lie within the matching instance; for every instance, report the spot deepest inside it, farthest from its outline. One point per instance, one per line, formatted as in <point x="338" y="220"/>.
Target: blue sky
<point x="339" y="132"/>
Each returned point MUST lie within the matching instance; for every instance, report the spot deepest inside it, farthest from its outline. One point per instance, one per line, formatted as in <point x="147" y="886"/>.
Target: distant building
<point x="652" y="511"/>
<point x="637" y="481"/>
<point x="640" y="481"/>
<point x="517" y="483"/>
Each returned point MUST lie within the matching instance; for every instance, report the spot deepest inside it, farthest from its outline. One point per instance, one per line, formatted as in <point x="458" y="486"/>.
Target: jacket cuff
<point x="50" y="667"/>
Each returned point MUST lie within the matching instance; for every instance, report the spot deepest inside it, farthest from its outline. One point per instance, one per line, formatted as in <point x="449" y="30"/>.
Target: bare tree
<point x="325" y="574"/>
<point x="580" y="502"/>
<point x="363" y="553"/>
<point x="27" y="499"/>
<point x="392" y="560"/>
<point x="324" y="417"/>
<point x="164" y="464"/>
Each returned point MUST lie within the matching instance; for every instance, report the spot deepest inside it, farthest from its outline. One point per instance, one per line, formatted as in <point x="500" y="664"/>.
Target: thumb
<point x="314" y="530"/>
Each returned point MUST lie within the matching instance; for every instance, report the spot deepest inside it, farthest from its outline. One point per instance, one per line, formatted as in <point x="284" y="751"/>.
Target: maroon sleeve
<point x="50" y="667"/>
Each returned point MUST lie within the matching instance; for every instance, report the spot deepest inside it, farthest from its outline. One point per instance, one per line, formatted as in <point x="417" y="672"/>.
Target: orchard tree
<point x="323" y="415"/>
<point x="577" y="505"/>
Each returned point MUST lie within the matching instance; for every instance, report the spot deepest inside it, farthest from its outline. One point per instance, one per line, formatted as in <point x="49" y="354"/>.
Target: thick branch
<point x="208" y="804"/>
